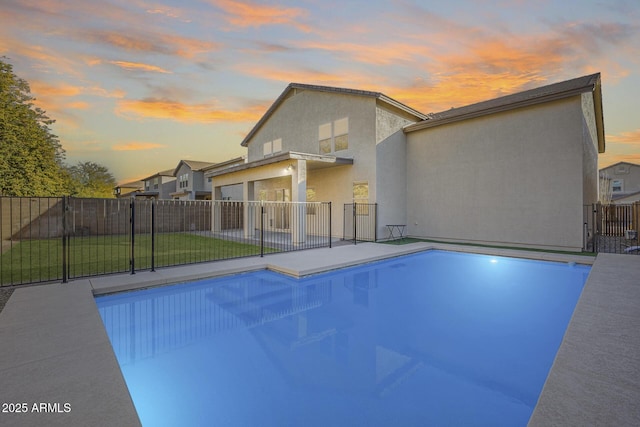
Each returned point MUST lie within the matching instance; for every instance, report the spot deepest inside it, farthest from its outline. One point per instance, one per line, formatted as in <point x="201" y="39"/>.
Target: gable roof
<point x="292" y="87"/>
<point x="193" y="165"/>
<point x="590" y="83"/>
<point x="168" y="172"/>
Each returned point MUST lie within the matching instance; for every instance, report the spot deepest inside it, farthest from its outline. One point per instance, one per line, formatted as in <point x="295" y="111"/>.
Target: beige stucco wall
<point x="512" y="178"/>
<point x="296" y="122"/>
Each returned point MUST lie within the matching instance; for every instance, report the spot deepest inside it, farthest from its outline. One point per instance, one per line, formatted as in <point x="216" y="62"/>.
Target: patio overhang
<point x="314" y="161"/>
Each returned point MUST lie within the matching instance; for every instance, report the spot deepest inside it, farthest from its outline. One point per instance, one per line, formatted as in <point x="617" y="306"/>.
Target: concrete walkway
<point x="55" y="351"/>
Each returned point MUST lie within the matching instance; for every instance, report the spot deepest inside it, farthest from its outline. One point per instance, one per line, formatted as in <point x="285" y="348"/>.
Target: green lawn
<point x="41" y="260"/>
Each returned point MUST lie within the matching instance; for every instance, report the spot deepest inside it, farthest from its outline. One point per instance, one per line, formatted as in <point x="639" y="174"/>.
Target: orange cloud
<point x="251" y="14"/>
<point x="372" y="53"/>
<point x="631" y="137"/>
<point x="150" y="42"/>
<point x="40" y="88"/>
<point x="136" y="146"/>
<point x="187" y="113"/>
<point x="139" y="66"/>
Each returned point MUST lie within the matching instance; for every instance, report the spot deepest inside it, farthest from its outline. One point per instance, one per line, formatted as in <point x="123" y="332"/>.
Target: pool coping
<point x="292" y="264"/>
<point x="56" y="350"/>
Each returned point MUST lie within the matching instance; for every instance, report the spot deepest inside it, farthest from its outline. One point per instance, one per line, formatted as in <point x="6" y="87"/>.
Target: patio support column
<point x="248" y="209"/>
<point x="299" y="210"/>
<point x="216" y="209"/>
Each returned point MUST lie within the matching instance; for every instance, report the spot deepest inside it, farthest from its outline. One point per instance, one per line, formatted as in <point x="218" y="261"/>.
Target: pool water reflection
<point x="434" y="338"/>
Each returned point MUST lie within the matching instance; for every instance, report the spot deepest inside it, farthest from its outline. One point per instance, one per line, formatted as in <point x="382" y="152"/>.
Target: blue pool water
<point x="434" y="338"/>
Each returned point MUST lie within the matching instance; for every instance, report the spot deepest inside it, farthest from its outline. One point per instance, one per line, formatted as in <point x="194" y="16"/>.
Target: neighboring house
<point x="485" y="173"/>
<point x="624" y="181"/>
<point x="190" y="183"/>
<point x="159" y="185"/>
<point x="128" y="189"/>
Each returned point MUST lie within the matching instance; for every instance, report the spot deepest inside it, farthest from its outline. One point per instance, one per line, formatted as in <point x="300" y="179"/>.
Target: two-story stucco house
<point x="624" y="181"/>
<point x="487" y="173"/>
<point x="190" y="182"/>
<point x="319" y="143"/>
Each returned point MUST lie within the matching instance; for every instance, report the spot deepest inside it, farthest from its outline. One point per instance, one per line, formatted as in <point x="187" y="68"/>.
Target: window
<point x="155" y="184"/>
<point x="277" y="145"/>
<point x="324" y="136"/>
<point x="272" y="147"/>
<point x="267" y="149"/>
<point x="617" y="185"/>
<point x="361" y="196"/>
<point x="334" y="136"/>
<point x="183" y="180"/>
<point x="341" y="134"/>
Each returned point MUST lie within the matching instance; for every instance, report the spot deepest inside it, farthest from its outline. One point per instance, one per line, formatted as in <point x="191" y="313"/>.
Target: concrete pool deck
<point x="55" y="351"/>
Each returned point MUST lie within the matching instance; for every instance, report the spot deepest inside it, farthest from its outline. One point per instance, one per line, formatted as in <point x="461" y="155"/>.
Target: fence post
<point x="355" y="229"/>
<point x="65" y="279"/>
<point x="595" y="226"/>
<point x="375" y="223"/>
<point x="153" y="235"/>
<point x="132" y="220"/>
<point x="261" y="228"/>
<point x="329" y="225"/>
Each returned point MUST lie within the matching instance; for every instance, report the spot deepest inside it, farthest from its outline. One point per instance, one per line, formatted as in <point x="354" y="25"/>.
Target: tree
<point x="88" y="179"/>
<point x="30" y="155"/>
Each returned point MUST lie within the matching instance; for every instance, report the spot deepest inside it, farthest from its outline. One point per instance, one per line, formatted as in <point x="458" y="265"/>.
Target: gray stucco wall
<point x="391" y="179"/>
<point x="392" y="182"/>
<point x="511" y="178"/>
<point x="590" y="151"/>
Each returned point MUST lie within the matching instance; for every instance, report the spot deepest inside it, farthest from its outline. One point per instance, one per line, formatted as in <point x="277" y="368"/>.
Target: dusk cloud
<point x="139" y="66"/>
<point x="189" y="113"/>
<point x="251" y="14"/>
<point x="136" y="146"/>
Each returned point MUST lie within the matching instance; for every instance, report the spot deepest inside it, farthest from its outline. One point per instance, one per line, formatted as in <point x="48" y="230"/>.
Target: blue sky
<point x="138" y="85"/>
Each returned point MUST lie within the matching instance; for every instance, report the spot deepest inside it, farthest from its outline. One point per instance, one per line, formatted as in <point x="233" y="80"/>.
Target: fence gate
<point x="360" y="222"/>
<point x="612" y="228"/>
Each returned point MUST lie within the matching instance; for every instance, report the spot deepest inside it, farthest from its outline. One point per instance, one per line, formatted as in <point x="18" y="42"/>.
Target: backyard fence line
<point x="612" y="228"/>
<point x="52" y="239"/>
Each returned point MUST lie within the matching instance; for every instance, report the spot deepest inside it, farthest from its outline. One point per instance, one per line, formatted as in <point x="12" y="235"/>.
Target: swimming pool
<point x="434" y="338"/>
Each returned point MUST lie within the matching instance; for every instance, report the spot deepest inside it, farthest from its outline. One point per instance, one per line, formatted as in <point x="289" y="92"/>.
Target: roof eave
<point x="493" y="110"/>
<point x="597" y="102"/>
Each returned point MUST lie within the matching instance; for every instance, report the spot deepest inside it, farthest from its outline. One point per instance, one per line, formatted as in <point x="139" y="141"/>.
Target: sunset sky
<point x="137" y="85"/>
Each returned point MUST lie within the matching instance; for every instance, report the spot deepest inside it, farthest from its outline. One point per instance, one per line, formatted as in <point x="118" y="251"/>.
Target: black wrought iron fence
<point x="53" y="239"/>
<point x="360" y="222"/>
<point x="612" y="228"/>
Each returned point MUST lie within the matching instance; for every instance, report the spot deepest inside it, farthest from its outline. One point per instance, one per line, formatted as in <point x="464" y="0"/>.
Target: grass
<point x="408" y="240"/>
<point x="33" y="261"/>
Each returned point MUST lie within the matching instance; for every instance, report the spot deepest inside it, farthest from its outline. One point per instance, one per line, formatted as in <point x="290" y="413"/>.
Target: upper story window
<point x="183" y="180"/>
<point x="333" y="136"/>
<point x="155" y="183"/>
<point x="617" y="185"/>
<point x="272" y="147"/>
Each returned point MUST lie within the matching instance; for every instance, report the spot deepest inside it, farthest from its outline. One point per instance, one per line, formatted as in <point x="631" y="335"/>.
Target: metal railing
<point x="612" y="228"/>
<point x="360" y="222"/>
<point x="53" y="239"/>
